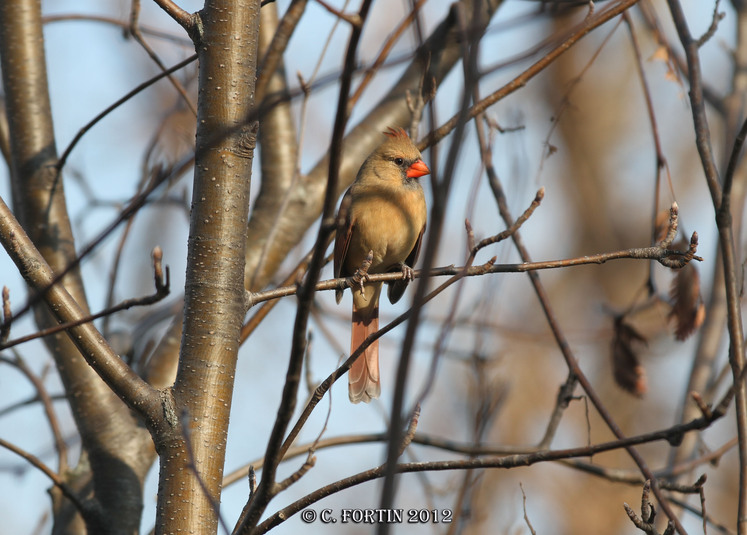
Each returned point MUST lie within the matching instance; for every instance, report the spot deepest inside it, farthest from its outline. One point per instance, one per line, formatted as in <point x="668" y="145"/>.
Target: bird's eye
<point x="399" y="161"/>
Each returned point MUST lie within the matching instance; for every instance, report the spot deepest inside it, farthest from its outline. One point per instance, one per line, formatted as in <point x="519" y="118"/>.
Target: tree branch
<point x="509" y="461"/>
<point x="591" y="22"/>
<point x="434" y="60"/>
<point x="661" y="253"/>
<point x="731" y="263"/>
<point x="268" y="487"/>
<point x="137" y="394"/>
<point x="162" y="291"/>
<point x="185" y="19"/>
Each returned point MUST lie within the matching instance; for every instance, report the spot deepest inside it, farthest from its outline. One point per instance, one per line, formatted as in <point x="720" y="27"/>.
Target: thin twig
<point x="509" y="461"/>
<point x="85" y="511"/>
<point x="660" y="160"/>
<point x="384" y="52"/>
<point x="520" y="81"/>
<point x="134" y="30"/>
<point x="524" y="506"/>
<point x="267" y="487"/>
<point x="666" y="256"/>
<point x="471" y="449"/>
<point x="63" y="159"/>
<point x="153" y="32"/>
<point x="49" y="411"/>
<point x="184" y="18"/>
<point x="7" y="316"/>
<point x="354" y="20"/>
<point x="730" y="258"/>
<point x="162" y="291"/>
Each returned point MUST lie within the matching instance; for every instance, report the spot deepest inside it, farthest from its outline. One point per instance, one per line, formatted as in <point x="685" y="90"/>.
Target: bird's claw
<point x="407" y="272"/>
<point x="358" y="279"/>
<point x="361" y="274"/>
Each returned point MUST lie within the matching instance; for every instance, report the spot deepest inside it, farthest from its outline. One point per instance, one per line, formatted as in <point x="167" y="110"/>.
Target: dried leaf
<point x="672" y="76"/>
<point x="688" y="309"/>
<point x="660" y="54"/>
<point x="174" y="139"/>
<point x="628" y="372"/>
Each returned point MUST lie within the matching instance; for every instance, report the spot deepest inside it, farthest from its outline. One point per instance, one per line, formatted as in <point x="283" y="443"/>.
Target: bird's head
<point x="399" y="155"/>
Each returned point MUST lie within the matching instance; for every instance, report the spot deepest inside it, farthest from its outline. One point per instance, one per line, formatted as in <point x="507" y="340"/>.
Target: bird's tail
<point x="363" y="377"/>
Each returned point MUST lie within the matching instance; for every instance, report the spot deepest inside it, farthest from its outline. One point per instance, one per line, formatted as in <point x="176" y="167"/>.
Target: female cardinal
<point x="383" y="212"/>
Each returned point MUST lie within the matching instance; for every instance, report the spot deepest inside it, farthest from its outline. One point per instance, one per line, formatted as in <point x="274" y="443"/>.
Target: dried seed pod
<point x="628" y="372"/>
<point x="688" y="309"/>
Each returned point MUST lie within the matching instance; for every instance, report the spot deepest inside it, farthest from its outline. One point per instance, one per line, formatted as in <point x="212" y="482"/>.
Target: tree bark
<point x="192" y="455"/>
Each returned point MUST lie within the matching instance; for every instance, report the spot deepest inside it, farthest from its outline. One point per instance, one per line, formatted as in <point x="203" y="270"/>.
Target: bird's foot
<point x="407" y="272"/>
<point x="358" y="279"/>
<point x="361" y="274"/>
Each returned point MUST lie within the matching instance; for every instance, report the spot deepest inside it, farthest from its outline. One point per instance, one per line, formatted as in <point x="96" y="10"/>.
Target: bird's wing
<point x="344" y="232"/>
<point x="342" y="239"/>
<point x="396" y="289"/>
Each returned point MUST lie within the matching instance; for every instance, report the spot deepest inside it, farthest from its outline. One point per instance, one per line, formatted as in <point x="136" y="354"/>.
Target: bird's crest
<point x="396" y="133"/>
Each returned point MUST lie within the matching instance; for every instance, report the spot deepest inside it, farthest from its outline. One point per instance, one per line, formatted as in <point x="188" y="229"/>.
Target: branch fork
<point x="645" y="522"/>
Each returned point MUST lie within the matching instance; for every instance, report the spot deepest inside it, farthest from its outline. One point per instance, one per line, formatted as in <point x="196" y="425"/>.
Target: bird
<point x="382" y="218"/>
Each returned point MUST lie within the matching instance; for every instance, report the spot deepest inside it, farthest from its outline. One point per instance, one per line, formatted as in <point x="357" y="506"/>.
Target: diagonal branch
<point x="268" y="487"/>
<point x="434" y="60"/>
<point x="730" y="258"/>
<point x="504" y="462"/>
<point x="590" y="22"/>
<point x="138" y="395"/>
<point x="185" y="19"/>
<point x="162" y="290"/>
<point x="84" y="508"/>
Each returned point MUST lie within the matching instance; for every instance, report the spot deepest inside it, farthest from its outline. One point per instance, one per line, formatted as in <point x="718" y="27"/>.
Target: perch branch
<point x="661" y="253"/>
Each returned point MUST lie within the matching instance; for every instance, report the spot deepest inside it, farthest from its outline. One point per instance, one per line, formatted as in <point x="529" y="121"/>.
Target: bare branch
<point x="508" y="461"/>
<point x="82" y="507"/>
<point x="46" y="400"/>
<point x="524" y="506"/>
<point x="731" y="264"/>
<point x="520" y="81"/>
<point x="185" y="19"/>
<point x="267" y="486"/>
<point x="63" y="159"/>
<point x="162" y="291"/>
<point x="646" y="522"/>
<point x="134" y="30"/>
<point x="667" y="257"/>
<point x="133" y="390"/>
<point x="7" y="316"/>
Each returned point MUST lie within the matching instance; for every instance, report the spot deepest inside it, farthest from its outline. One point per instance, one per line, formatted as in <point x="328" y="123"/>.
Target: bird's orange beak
<point x="418" y="169"/>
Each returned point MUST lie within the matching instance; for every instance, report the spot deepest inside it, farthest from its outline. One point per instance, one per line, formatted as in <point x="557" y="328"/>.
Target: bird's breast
<point x="386" y="222"/>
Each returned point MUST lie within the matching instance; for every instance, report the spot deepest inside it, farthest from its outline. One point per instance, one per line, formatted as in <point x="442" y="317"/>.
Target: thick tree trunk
<point x="226" y="39"/>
